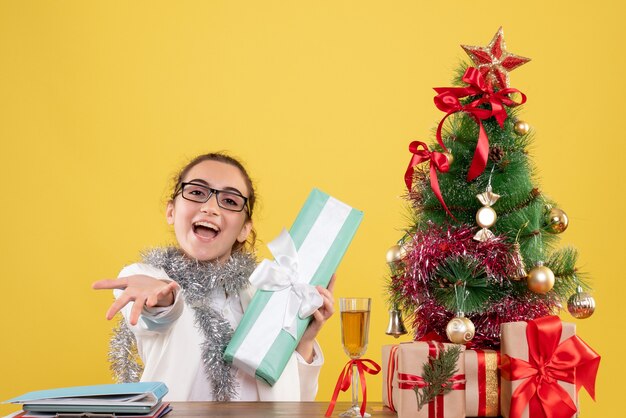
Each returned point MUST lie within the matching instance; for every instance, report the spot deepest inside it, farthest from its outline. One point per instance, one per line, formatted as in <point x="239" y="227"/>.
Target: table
<point x="266" y="409"/>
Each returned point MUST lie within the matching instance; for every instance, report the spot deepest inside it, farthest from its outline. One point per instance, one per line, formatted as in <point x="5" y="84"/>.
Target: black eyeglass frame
<point x="215" y="192"/>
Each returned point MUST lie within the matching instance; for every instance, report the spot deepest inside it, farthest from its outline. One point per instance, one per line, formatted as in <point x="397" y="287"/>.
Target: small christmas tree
<point x="480" y="249"/>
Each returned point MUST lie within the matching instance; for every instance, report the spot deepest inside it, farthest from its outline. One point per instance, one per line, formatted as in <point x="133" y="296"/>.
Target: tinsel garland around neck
<point x="198" y="280"/>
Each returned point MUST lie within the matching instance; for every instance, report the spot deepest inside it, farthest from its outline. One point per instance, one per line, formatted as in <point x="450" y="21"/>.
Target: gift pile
<point x="538" y="373"/>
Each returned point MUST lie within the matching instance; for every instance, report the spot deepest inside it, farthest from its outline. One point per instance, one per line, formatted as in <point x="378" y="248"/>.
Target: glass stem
<point x="355" y="387"/>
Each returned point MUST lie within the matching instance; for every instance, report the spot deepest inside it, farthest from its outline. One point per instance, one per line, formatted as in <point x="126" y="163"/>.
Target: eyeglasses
<point x="225" y="199"/>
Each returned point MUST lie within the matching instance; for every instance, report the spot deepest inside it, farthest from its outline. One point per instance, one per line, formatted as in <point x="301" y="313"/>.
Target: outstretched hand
<point x="140" y="289"/>
<point x="320" y="316"/>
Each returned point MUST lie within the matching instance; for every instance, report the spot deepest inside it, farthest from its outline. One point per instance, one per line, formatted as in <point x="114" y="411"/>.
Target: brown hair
<point x="226" y="159"/>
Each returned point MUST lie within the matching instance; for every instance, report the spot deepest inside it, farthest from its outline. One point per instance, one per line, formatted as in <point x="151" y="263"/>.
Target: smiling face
<point x="205" y="231"/>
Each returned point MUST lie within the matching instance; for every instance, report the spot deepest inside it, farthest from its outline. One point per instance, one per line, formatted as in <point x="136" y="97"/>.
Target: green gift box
<point x="280" y="310"/>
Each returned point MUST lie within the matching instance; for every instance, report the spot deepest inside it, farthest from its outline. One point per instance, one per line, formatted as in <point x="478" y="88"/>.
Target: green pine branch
<point x="438" y="374"/>
<point x="562" y="262"/>
<point x="457" y="275"/>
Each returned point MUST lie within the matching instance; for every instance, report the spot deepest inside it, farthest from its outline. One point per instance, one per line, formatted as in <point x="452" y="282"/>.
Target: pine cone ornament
<point x="496" y="153"/>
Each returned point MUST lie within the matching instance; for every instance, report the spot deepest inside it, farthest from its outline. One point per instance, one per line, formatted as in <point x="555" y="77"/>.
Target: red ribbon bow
<point x="345" y="379"/>
<point x="438" y="162"/>
<point x="447" y="100"/>
<point x="571" y="361"/>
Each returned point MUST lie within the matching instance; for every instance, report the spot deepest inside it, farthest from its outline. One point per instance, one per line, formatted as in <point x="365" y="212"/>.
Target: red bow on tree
<point x="571" y="361"/>
<point x="438" y="162"/>
<point x="447" y="100"/>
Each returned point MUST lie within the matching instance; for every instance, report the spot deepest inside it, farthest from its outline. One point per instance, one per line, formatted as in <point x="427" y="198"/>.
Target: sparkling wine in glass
<point x="355" y="321"/>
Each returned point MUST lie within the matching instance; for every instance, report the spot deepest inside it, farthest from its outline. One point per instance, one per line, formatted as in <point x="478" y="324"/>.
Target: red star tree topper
<point x="494" y="61"/>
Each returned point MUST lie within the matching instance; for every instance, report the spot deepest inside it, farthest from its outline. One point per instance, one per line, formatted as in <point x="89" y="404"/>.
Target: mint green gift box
<point x="321" y="235"/>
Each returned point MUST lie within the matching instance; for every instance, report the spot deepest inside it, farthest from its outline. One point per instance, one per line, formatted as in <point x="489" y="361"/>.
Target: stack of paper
<point x="136" y="400"/>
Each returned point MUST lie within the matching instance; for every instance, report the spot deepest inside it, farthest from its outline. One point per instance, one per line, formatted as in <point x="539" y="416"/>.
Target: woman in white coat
<point x="181" y="304"/>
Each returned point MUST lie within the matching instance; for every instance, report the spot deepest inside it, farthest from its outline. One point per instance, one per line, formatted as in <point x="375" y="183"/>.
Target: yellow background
<point x="101" y="102"/>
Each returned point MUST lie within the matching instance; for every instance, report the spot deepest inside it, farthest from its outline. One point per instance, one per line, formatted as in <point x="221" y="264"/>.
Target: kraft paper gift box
<point x="280" y="310"/>
<point x="411" y="359"/>
<point x="482" y="383"/>
<point x="561" y="363"/>
<point x="390" y="375"/>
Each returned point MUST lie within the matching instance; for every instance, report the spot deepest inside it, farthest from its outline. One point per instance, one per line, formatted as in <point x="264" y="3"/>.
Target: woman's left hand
<point x="320" y="316"/>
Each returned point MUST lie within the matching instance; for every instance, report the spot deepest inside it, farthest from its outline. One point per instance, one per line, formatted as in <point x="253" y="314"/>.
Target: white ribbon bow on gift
<point x="283" y="273"/>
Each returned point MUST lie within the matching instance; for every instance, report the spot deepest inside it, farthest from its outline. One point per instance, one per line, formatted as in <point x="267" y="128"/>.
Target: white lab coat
<point x="169" y="344"/>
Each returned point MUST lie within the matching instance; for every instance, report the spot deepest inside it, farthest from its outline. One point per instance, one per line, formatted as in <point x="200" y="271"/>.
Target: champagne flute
<point x="355" y="321"/>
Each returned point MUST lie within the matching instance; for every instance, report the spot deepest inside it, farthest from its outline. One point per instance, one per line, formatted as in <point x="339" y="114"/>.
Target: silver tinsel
<point x="123" y="356"/>
<point x="198" y="281"/>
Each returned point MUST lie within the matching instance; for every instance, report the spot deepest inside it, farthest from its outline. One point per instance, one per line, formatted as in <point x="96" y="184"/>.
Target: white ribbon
<point x="283" y="273"/>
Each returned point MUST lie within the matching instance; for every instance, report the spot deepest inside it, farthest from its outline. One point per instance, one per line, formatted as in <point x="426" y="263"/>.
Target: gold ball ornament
<point x="557" y="221"/>
<point x="450" y="157"/>
<point x="486" y="217"/>
<point x="395" y="253"/>
<point x="521" y="127"/>
<point x="540" y="279"/>
<point x="460" y="330"/>
<point x="581" y="304"/>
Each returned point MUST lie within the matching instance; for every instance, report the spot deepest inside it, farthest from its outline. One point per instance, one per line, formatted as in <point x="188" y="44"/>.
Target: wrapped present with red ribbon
<point x="482" y="386"/>
<point x="544" y="365"/>
<point x="448" y="397"/>
<point x="390" y="375"/>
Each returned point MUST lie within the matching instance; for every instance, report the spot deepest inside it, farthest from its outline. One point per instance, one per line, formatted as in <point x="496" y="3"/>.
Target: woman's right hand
<point x="141" y="289"/>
